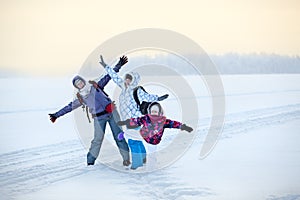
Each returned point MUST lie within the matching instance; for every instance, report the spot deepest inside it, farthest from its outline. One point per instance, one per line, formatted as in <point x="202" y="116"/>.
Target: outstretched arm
<point x="144" y="96"/>
<point x="132" y="122"/>
<point x="104" y="80"/>
<point x="175" y="124"/>
<point x="68" y="108"/>
<point x="127" y="124"/>
<point x="172" y="124"/>
<point x="139" y="121"/>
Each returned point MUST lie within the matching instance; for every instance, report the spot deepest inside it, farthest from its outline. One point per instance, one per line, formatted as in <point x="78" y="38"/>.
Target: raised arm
<point x="104" y="80"/>
<point x="115" y="77"/>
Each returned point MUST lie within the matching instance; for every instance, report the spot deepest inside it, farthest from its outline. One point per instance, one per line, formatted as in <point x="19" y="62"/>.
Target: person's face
<point x="79" y="84"/>
<point x="154" y="110"/>
<point x="127" y="82"/>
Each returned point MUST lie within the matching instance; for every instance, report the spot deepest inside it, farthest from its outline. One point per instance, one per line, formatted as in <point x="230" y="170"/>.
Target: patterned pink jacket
<point x="153" y="127"/>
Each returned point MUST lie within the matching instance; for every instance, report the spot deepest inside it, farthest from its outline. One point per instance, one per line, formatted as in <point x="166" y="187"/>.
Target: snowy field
<point x="256" y="157"/>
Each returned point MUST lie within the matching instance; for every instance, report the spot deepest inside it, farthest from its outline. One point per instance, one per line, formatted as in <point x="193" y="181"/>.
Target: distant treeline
<point x="233" y="63"/>
<point x="230" y="63"/>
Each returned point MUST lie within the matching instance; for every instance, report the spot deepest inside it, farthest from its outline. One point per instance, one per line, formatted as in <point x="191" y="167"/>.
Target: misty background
<point x="229" y="63"/>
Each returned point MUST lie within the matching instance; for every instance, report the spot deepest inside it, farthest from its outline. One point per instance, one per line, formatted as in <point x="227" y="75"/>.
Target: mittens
<point x="184" y="127"/>
<point x="162" y="97"/>
<point x="121" y="136"/>
<point x="52" y="117"/>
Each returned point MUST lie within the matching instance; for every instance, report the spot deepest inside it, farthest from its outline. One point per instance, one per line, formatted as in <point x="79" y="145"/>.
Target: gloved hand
<point x="184" y="127"/>
<point x="102" y="61"/>
<point x="162" y="97"/>
<point x="52" y="117"/>
<point x="121" y="136"/>
<point x="121" y="123"/>
<point x="123" y="60"/>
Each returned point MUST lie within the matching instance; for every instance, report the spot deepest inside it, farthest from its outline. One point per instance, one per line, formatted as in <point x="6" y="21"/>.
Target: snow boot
<point x="90" y="159"/>
<point x="126" y="163"/>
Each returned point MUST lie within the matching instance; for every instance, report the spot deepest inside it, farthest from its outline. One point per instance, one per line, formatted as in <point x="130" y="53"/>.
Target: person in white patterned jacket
<point x="129" y="109"/>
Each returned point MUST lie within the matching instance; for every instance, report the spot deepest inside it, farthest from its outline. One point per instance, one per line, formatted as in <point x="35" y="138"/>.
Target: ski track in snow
<point x="287" y="197"/>
<point x="161" y="185"/>
<point x="243" y="122"/>
<point x="30" y="170"/>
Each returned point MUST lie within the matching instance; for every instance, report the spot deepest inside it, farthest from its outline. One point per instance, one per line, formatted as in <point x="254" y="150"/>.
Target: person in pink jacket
<point x="153" y="124"/>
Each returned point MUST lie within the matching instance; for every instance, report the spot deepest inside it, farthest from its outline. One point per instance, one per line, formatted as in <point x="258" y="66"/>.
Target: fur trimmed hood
<point x="135" y="79"/>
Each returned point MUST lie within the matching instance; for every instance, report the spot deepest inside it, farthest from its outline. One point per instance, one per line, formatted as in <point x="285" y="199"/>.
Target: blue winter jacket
<point x="96" y="100"/>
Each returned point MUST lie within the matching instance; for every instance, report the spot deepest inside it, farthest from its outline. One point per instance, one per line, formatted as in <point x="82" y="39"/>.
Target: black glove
<point x="52" y="117"/>
<point x="123" y="60"/>
<point x="121" y="123"/>
<point x="184" y="127"/>
<point x="162" y="97"/>
<point x="102" y="61"/>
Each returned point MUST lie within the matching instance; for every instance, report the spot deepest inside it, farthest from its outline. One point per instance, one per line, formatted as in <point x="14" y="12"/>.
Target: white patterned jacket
<point x="127" y="105"/>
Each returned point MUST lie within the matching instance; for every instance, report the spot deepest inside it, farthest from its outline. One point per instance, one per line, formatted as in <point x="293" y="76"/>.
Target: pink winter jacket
<point x="153" y="127"/>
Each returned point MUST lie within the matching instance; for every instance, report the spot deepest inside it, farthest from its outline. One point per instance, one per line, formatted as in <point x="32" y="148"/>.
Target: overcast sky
<point x="55" y="36"/>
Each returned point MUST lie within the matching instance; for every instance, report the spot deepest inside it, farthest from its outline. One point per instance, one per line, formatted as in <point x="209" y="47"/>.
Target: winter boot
<point x="126" y="163"/>
<point x="90" y="159"/>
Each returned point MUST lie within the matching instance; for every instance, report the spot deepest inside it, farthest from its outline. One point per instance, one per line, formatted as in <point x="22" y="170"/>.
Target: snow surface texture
<point x="257" y="156"/>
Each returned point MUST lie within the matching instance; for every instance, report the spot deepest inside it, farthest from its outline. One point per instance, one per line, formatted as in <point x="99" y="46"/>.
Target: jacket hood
<point x="135" y="79"/>
<point x="161" y="110"/>
<point x="77" y="77"/>
<point x="87" y="87"/>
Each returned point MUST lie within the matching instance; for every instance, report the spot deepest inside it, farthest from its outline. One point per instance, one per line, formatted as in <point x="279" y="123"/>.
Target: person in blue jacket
<point x="92" y="95"/>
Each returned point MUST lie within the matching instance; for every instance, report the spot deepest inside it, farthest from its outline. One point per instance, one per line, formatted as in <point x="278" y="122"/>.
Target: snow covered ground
<point x="257" y="156"/>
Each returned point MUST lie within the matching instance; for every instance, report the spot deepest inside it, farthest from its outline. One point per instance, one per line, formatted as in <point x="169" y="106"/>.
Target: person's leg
<point x="122" y="144"/>
<point x="143" y="151"/>
<point x="136" y="156"/>
<point x="99" y="130"/>
<point x="151" y="156"/>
